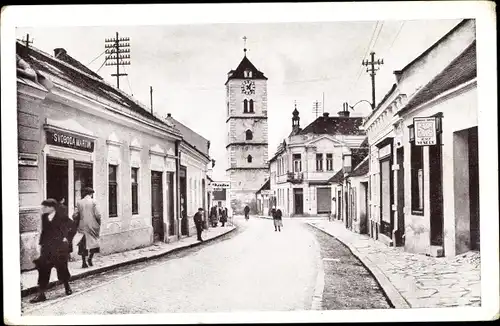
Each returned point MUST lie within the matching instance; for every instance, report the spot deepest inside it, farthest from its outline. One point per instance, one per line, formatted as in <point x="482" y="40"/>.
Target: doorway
<point x="474" y="188"/>
<point x="363" y="209"/>
<point x="183" y="193"/>
<point x="400" y="238"/>
<point x="170" y="198"/>
<point x="298" y="196"/>
<point x="157" y="205"/>
<point x="436" y="192"/>
<point x="57" y="179"/>
<point x="339" y="206"/>
<point x="323" y="198"/>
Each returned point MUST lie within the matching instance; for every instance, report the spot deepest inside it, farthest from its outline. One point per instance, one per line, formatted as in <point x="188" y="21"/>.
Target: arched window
<point x="249" y="158"/>
<point x="251" y="107"/>
<point x="249" y="135"/>
<point x="245" y="106"/>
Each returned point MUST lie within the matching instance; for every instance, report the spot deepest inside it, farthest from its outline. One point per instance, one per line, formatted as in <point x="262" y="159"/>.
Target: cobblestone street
<point x="254" y="268"/>
<point x="423" y="282"/>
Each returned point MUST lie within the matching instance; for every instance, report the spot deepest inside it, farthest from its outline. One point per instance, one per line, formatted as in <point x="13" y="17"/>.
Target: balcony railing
<point x="295" y="177"/>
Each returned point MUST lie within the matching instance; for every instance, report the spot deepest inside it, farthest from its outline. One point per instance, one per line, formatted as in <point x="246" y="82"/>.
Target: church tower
<point x="247" y="139"/>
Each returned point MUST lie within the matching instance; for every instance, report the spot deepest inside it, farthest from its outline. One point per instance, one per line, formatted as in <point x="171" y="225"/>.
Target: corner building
<point x="247" y="134"/>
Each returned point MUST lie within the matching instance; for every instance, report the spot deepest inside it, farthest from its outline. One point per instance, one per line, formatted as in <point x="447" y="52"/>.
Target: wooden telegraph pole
<point x="117" y="49"/>
<point x="371" y="69"/>
<point x="26" y="41"/>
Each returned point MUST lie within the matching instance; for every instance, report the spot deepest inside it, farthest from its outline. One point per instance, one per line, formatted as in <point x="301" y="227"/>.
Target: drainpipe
<point x="177" y="182"/>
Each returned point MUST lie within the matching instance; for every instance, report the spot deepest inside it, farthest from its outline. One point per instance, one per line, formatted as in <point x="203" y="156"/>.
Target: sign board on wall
<point x="425" y="131"/>
<point x="220" y="185"/>
<point x="265" y="192"/>
<point x="65" y="139"/>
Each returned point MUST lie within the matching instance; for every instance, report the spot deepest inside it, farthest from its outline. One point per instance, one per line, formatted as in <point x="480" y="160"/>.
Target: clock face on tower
<point x="248" y="87"/>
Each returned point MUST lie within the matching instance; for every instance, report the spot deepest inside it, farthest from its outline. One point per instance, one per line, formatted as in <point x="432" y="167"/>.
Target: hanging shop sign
<point x="425" y="131"/>
<point x="65" y="139"/>
<point x="219" y="185"/>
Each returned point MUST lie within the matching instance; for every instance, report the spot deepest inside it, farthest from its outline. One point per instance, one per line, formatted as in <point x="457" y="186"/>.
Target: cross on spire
<point x="245" y="45"/>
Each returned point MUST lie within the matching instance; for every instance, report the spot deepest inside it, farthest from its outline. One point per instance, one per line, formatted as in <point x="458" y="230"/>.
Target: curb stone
<point x="317" y="301"/>
<point x="28" y="291"/>
<point x="395" y="298"/>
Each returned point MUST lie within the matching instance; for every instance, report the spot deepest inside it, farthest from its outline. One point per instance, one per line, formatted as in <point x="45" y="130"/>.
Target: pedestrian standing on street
<point x="278" y="222"/>
<point x="54" y="248"/>
<point x="198" y="222"/>
<point x="247" y="211"/>
<point x="89" y="224"/>
<point x="213" y="216"/>
<point x="223" y="218"/>
<point x="334" y="207"/>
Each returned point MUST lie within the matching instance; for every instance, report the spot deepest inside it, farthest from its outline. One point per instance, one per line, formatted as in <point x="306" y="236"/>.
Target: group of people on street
<point x="57" y="235"/>
<point x="218" y="214"/>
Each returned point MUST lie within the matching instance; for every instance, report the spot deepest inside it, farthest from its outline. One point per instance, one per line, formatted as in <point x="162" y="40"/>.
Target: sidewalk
<point x="414" y="280"/>
<point x="112" y="261"/>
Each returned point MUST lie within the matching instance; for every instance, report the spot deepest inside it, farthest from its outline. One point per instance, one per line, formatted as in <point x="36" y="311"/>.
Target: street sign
<point x="265" y="192"/>
<point x="425" y="131"/>
<point x="220" y="185"/>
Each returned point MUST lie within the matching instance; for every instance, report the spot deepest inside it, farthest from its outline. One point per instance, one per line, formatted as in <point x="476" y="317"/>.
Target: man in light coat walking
<point x="88" y="219"/>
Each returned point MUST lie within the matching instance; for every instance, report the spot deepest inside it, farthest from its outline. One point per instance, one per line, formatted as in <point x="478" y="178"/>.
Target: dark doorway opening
<point x="298" y="196"/>
<point x="400" y="239"/>
<point x="474" y="188"/>
<point x="436" y="192"/>
<point x="183" y="193"/>
<point x="170" y="198"/>
<point x="157" y="205"/>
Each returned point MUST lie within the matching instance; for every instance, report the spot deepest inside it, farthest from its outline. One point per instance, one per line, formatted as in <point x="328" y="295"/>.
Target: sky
<point x="187" y="66"/>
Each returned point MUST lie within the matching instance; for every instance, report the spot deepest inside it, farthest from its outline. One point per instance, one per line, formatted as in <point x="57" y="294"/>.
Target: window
<point x="319" y="162"/>
<point x="113" y="190"/>
<point x="251" y="106"/>
<point x="248" y="135"/>
<point x="249" y="158"/>
<point x="245" y="106"/>
<point x="135" y="192"/>
<point x="247" y="73"/>
<point x="329" y="162"/>
<point x="228" y="108"/>
<point x="417" y="175"/>
<point x="297" y="163"/>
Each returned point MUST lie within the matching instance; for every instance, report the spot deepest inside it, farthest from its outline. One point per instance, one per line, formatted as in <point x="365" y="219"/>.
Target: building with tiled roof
<point x="305" y="162"/>
<point x="75" y="130"/>
<point x="411" y="203"/>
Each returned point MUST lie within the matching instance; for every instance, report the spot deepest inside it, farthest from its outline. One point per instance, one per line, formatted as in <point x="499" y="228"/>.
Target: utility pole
<point x="27" y="41"/>
<point x="371" y="69"/>
<point x="115" y="49"/>
<point x="151" y="95"/>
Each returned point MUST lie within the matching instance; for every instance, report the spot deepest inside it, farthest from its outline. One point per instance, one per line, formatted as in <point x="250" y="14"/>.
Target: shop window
<point x="417" y="175"/>
<point x="248" y="135"/>
<point x="319" y="162"/>
<point x="113" y="190"/>
<point x="135" y="191"/>
<point x="329" y="162"/>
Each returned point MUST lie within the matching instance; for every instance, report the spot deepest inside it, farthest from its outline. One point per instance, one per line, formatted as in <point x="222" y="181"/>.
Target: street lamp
<point x="352" y="106"/>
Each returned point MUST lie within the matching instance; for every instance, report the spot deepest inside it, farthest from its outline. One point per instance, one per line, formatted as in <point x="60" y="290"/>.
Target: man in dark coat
<point x="54" y="248"/>
<point x="198" y="222"/>
<point x="247" y="211"/>
<point x="223" y="218"/>
<point x="278" y="223"/>
<point x="213" y="216"/>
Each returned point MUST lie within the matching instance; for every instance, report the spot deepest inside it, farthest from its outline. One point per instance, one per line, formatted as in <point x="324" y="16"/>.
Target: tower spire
<point x="245" y="45"/>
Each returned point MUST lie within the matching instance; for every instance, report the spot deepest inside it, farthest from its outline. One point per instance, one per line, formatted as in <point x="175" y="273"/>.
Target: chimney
<point x="59" y="52"/>
<point x="326" y="114"/>
<point x="344" y="114"/>
<point x="169" y="115"/>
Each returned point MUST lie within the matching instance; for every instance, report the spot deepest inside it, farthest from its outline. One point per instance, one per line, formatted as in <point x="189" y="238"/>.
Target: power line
<point x="376" y="39"/>
<point x="88" y="64"/>
<point x="397" y="35"/>
<point x="360" y="71"/>
<point x="105" y="59"/>
<point x="128" y="81"/>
